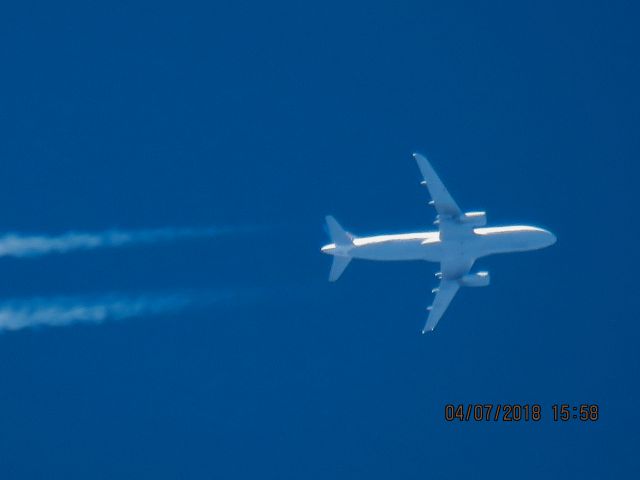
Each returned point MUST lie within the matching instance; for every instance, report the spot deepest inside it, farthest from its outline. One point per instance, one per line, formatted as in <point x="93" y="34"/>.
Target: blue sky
<point x="139" y="116"/>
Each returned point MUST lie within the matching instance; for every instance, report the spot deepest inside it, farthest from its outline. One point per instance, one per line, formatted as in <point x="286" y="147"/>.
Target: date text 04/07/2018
<point x="515" y="412"/>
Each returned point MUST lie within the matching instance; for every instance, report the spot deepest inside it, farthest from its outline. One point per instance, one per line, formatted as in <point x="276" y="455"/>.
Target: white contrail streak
<point x="17" y="245"/>
<point x="60" y="311"/>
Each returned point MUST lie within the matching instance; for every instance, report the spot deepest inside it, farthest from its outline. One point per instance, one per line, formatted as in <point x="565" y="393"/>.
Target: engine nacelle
<point x="475" y="219"/>
<point x="480" y="279"/>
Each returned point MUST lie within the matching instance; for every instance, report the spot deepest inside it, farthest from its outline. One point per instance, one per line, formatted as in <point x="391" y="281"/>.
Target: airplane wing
<point x="443" y="202"/>
<point x="454" y="268"/>
<point x="450" y="271"/>
<point x="445" y="293"/>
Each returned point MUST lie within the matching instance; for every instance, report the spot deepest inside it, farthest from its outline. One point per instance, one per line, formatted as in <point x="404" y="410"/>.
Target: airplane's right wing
<point x="445" y="293"/>
<point x="443" y="202"/>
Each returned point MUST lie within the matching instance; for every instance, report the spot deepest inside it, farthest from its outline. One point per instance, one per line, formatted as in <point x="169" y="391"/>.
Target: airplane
<point x="461" y="239"/>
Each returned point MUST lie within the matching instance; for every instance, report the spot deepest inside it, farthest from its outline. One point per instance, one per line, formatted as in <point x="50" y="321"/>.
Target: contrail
<point x="17" y="245"/>
<point x="60" y="311"/>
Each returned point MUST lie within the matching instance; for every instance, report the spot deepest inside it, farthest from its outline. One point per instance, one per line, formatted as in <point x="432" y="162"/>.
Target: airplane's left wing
<point x="451" y="270"/>
<point x="445" y="293"/>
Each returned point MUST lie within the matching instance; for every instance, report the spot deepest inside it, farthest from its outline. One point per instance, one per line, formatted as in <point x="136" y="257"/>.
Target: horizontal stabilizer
<point x="338" y="235"/>
<point x="338" y="266"/>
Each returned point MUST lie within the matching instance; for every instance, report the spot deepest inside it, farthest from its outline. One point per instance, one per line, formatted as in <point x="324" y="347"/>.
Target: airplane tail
<point x="338" y="235"/>
<point x="338" y="266"/>
<point x="341" y="238"/>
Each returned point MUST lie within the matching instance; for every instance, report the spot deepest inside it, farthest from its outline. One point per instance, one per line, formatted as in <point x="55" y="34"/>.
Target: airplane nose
<point x="550" y="237"/>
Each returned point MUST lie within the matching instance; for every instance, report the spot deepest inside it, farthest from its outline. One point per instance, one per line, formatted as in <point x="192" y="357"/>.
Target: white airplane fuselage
<point x="479" y="242"/>
<point x="460" y="240"/>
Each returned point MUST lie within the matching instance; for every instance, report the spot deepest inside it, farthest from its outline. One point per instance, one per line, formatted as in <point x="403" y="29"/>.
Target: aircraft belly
<point x="395" y="250"/>
<point x="509" y="242"/>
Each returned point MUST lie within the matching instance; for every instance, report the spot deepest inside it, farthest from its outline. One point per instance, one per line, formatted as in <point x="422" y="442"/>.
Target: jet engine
<point x="480" y="279"/>
<point x="475" y="219"/>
